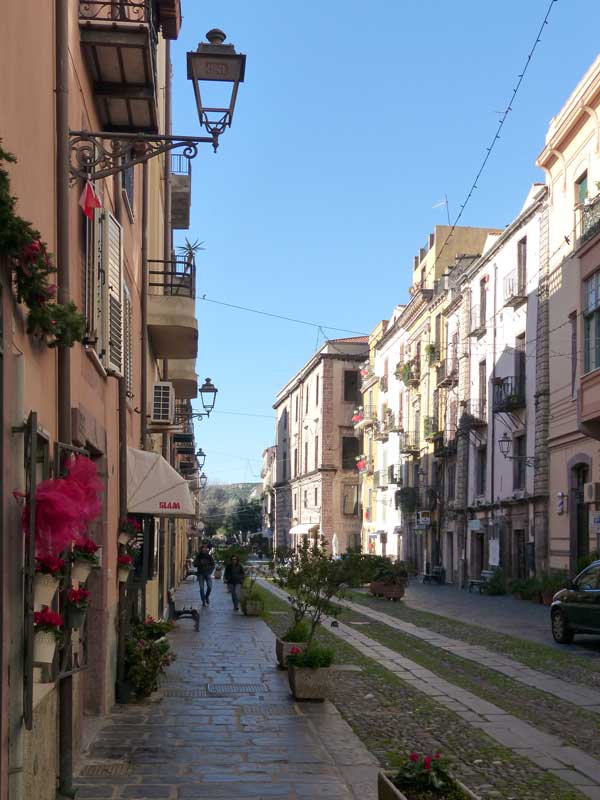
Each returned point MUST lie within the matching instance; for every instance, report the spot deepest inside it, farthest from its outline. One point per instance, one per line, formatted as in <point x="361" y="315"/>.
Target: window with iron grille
<point x="480" y="470"/>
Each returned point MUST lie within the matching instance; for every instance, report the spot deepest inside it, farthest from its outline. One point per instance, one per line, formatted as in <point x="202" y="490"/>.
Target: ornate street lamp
<point x="505" y="445"/>
<point x="201" y="456"/>
<point x="216" y="62"/>
<point x="208" y="395"/>
<point x="203" y="481"/>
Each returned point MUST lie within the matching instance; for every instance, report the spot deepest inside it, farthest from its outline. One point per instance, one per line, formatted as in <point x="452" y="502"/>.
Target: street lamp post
<point x="505" y="445"/>
<point x="201" y="456"/>
<point x="208" y="395"/>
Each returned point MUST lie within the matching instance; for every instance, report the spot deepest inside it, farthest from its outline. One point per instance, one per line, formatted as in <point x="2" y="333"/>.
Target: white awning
<point x="154" y="487"/>
<point x="304" y="528"/>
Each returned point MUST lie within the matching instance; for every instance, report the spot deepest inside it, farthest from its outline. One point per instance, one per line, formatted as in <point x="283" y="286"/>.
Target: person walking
<point x="234" y="577"/>
<point x="205" y="565"/>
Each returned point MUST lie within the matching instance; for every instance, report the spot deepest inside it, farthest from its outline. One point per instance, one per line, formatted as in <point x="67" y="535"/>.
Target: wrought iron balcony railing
<point x="409" y="443"/>
<point x="509" y="394"/>
<point x="515" y="292"/>
<point x="477" y="326"/>
<point x="175" y="278"/>
<point x="590" y="218"/>
<point x="474" y="413"/>
<point x="447" y="373"/>
<point x="431" y="428"/>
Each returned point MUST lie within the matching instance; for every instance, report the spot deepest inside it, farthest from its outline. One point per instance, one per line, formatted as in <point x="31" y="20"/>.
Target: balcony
<point x="477" y="322"/>
<point x="172" y="323"/>
<point x="409" y="372"/>
<point x="367" y="374"/>
<point x="381" y="431"/>
<point x="409" y="444"/>
<point x="509" y="394"/>
<point x="380" y="479"/>
<point x="119" y="40"/>
<point x="431" y="429"/>
<point x="169" y="14"/>
<point x="364" y="417"/>
<point x="447" y="373"/>
<point x="183" y="444"/>
<point x="182" y="374"/>
<point x="181" y="192"/>
<point x="396" y="425"/>
<point x="590" y="219"/>
<point x="589" y="404"/>
<point x="474" y="414"/>
<point x="515" y="291"/>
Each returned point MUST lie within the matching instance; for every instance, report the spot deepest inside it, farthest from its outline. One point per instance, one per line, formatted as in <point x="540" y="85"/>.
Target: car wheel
<point x="560" y="630"/>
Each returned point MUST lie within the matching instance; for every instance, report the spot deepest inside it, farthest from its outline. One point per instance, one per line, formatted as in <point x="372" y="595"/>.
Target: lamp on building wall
<point x="208" y="395"/>
<point x="505" y="445"/>
<point x="215" y="62"/>
<point x="203" y="481"/>
<point x="201" y="456"/>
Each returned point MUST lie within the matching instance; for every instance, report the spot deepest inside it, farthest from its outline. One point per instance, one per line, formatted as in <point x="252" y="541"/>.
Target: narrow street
<point x="224" y="725"/>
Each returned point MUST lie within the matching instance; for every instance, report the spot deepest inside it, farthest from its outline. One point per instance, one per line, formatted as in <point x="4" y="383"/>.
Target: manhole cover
<point x="102" y="770"/>
<point x="265" y="708"/>
<point x="186" y="694"/>
<point x="236" y="688"/>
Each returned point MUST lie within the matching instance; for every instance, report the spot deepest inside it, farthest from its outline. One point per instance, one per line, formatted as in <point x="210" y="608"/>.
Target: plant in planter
<point x="390" y="581"/>
<point x="128" y="530"/>
<point x="358" y="415"/>
<point x="251" y="601"/>
<point x="432" y="353"/>
<point x="124" y="567"/>
<point x="422" y="777"/>
<point x="308" y="671"/>
<point x="48" y="570"/>
<point x="47" y="627"/>
<point x="145" y="662"/>
<point x="153" y="629"/>
<point x="497" y="584"/>
<point x="294" y="638"/>
<point x="77" y="606"/>
<point x="85" y="559"/>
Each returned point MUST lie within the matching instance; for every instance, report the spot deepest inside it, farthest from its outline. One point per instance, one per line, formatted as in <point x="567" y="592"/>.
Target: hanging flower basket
<point x="44" y="589"/>
<point x="85" y="558"/>
<point x="129" y="529"/>
<point x="80" y="571"/>
<point x="78" y="604"/>
<point x="47" y="632"/>
<point x="44" y="647"/>
<point x="124" y="567"/>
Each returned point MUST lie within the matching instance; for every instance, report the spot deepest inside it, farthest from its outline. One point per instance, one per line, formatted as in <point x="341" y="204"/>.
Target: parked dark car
<point x="576" y="608"/>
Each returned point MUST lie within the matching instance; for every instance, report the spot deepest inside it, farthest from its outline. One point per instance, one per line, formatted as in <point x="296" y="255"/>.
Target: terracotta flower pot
<point x="75" y="617"/>
<point x="80" y="571"/>
<point x="44" y="589"/>
<point x="44" y="647"/>
<point x="123" y="573"/>
<point x="283" y="649"/>
<point x="387" y="791"/>
<point x="309" y="684"/>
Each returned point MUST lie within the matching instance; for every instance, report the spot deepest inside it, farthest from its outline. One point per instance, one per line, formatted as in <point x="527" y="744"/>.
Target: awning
<point x="304" y="528"/>
<point x="154" y="487"/>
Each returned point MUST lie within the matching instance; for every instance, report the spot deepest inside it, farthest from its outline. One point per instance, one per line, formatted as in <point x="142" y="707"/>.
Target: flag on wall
<point x="89" y="200"/>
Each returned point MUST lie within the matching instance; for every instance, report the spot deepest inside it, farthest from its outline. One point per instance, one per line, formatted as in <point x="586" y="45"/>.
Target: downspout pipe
<point x="65" y="702"/>
<point x="493" y="437"/>
<point x="144" y="370"/>
<point x="123" y="618"/>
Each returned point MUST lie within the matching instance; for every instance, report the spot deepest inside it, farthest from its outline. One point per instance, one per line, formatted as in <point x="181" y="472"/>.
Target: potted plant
<point x="154" y="630"/>
<point x="431" y="351"/>
<point x="294" y="638"/>
<point x="124" y="567"/>
<point x="308" y="671"/>
<point x="251" y="601"/>
<point x="46" y="580"/>
<point x="146" y="660"/>
<point x="85" y="559"/>
<point x="47" y="627"/>
<point x="422" y="778"/>
<point x="128" y="530"/>
<point x="390" y="581"/>
<point x="77" y="606"/>
<point x="218" y="573"/>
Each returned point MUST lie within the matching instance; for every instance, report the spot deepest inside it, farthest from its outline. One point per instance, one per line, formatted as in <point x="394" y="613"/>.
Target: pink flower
<point x="294" y="651"/>
<point x="437" y="755"/>
<point x="414" y="757"/>
<point x="427" y="762"/>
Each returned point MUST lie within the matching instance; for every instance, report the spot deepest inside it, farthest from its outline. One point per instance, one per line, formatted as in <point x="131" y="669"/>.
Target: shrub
<point x="585" y="561"/>
<point x="146" y="660"/>
<point x="152" y="629"/>
<point x="497" y="584"/>
<point x="392" y="574"/>
<point x="298" y="632"/>
<point x="86" y="550"/>
<point x="314" y="657"/>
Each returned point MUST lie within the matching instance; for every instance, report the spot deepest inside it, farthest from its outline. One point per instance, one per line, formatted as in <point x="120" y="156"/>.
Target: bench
<point x="480" y="582"/>
<point x="190" y="613"/>
<point x="437" y="575"/>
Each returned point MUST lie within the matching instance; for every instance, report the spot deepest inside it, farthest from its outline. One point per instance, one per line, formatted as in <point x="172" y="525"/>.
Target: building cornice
<point x="302" y="373"/>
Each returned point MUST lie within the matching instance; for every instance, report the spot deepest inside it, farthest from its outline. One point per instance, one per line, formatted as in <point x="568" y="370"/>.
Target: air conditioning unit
<point x="163" y="404"/>
<point x="591" y="492"/>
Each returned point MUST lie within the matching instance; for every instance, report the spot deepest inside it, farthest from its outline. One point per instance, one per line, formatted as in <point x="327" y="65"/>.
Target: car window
<point x="590" y="579"/>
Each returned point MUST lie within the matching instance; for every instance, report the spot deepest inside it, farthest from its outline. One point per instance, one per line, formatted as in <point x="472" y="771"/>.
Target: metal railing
<point x="477" y="320"/>
<point x="117" y="10"/>
<point x="474" y="412"/>
<point x="509" y="394"/>
<point x="180" y="165"/>
<point x="176" y="278"/>
<point x="590" y="218"/>
<point x="514" y="287"/>
<point x="447" y="372"/>
<point x="431" y="427"/>
<point x="409" y="442"/>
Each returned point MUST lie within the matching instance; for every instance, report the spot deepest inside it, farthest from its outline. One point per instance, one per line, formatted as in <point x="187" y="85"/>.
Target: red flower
<point x="414" y="757"/>
<point x="49" y="565"/>
<point x="295" y="651"/>
<point x="427" y="762"/>
<point x="47" y="619"/>
<point x="149" y="620"/>
<point x="88" y="546"/>
<point x="125" y="561"/>
<point x="78" y="596"/>
<point x="437" y="755"/>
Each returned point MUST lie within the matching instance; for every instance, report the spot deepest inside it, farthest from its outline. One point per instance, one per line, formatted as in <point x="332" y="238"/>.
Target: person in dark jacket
<point x="205" y="565"/>
<point x="234" y="577"/>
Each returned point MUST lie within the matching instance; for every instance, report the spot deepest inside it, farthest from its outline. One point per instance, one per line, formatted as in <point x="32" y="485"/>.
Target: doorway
<point x="581" y="543"/>
<point x="450" y="556"/>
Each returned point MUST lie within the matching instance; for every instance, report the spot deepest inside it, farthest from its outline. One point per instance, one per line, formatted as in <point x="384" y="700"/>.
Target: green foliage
<point x="585" y="561"/>
<point x="145" y="661"/>
<point x="245" y="516"/>
<point x="497" y="584"/>
<point x="57" y="323"/>
<point x="152" y="629"/>
<point x="432" y="353"/>
<point x="553" y="581"/>
<point x="225" y="554"/>
<point x="313" y="578"/>
<point x="298" y="632"/>
<point x="392" y="574"/>
<point x="409" y="499"/>
<point x="528" y="588"/>
<point x="315" y="656"/>
<point x="424" y="772"/>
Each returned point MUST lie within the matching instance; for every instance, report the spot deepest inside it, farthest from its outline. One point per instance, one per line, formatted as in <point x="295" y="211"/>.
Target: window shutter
<point x="112" y="247"/>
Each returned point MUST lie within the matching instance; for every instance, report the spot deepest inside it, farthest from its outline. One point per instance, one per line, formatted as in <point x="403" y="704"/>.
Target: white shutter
<point x="96" y="282"/>
<point x="112" y="311"/>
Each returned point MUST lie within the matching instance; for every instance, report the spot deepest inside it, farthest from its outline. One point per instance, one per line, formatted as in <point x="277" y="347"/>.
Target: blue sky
<point x="355" y="119"/>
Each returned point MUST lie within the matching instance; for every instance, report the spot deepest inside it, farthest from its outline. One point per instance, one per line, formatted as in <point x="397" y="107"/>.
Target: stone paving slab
<point x="581" y="696"/>
<point x="549" y="752"/>
<point x="199" y="740"/>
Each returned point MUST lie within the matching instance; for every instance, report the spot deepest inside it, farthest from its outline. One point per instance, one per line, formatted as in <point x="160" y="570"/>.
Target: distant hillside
<point x="219" y="504"/>
<point x="235" y="491"/>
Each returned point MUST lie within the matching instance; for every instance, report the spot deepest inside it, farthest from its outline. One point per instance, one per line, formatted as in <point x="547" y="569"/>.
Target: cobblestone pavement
<point x="547" y="751"/>
<point x="581" y="696"/>
<point x="504" y="614"/>
<point x="225" y="726"/>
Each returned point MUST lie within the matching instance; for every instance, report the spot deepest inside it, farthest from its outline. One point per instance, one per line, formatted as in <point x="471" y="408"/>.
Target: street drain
<point x="272" y="710"/>
<point x="102" y="770"/>
<point x="186" y="694"/>
<point x="236" y="688"/>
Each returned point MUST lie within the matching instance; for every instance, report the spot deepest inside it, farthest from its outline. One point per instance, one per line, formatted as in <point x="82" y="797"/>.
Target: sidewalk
<point x="224" y="725"/>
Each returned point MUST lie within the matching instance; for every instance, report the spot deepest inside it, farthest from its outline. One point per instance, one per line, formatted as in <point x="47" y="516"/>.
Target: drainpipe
<point x="123" y="618"/>
<point x="493" y="437"/>
<point x="144" y="376"/>
<point x="64" y="357"/>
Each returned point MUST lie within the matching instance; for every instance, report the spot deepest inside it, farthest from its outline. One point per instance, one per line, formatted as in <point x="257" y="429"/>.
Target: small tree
<point x="313" y="577"/>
